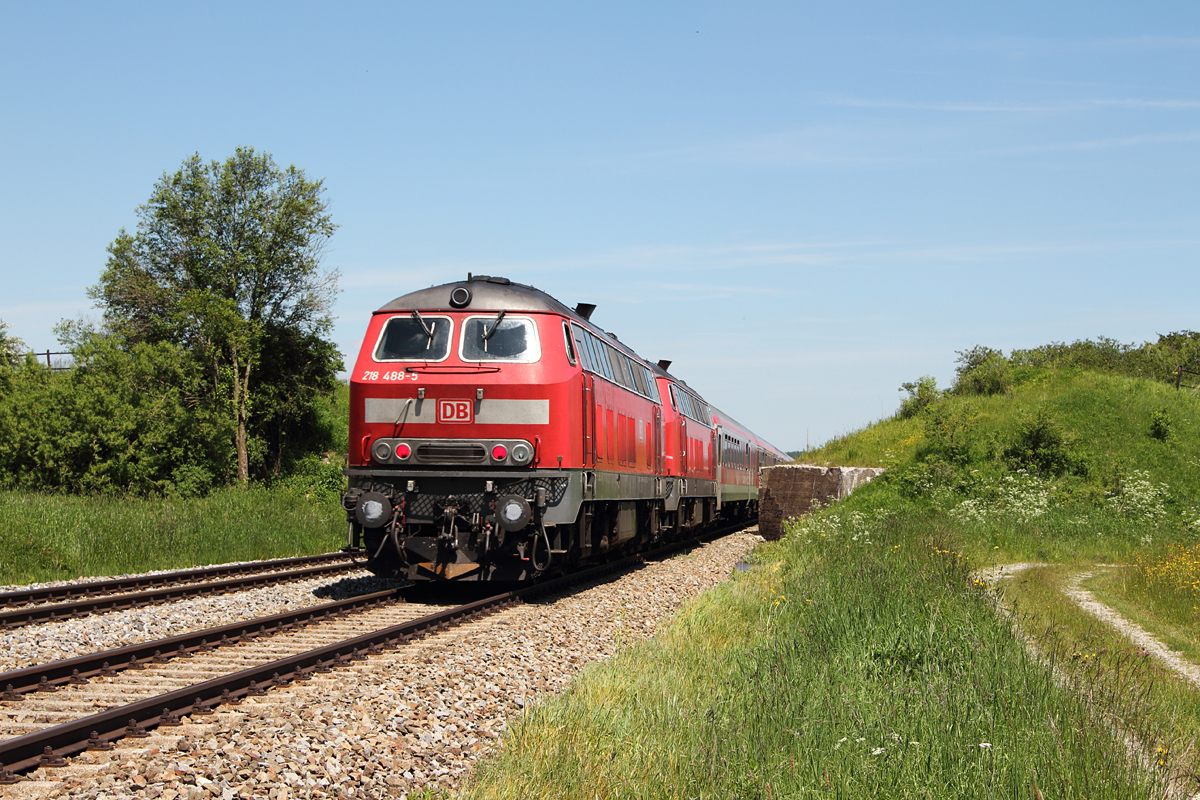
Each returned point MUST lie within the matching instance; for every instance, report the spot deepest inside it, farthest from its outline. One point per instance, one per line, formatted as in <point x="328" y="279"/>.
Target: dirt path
<point x="1126" y="627"/>
<point x="1130" y="629"/>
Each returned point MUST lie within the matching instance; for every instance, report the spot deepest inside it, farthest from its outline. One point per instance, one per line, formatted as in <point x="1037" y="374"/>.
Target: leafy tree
<point x="12" y="349"/>
<point x="226" y="263"/>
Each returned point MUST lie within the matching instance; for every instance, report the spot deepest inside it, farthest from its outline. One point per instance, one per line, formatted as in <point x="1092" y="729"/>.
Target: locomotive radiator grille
<point x="452" y="453"/>
<point x="423" y="506"/>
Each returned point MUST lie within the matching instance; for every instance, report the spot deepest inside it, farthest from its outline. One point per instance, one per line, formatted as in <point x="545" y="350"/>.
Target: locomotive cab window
<point x="499" y="338"/>
<point x="414" y="338"/>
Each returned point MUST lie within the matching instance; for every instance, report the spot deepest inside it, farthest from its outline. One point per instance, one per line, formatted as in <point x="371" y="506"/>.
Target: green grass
<point x="52" y="537"/>
<point x="860" y="663"/>
<point x="1160" y="707"/>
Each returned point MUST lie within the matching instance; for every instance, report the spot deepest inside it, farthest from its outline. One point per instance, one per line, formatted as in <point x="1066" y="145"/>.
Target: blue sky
<point x="801" y="205"/>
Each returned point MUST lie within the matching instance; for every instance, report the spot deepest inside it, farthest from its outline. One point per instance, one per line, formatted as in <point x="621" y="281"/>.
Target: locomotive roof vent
<point x="585" y="310"/>
<point x="460" y="297"/>
<point x="488" y="279"/>
<point x="664" y="365"/>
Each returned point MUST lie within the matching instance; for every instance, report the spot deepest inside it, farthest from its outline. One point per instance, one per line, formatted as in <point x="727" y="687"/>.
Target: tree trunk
<point x="241" y="388"/>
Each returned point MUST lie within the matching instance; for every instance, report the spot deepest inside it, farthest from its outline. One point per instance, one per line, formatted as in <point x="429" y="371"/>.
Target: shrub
<point x="982" y="370"/>
<point x="1160" y="424"/>
<point x="921" y="393"/>
<point x="1041" y="446"/>
<point x="947" y="429"/>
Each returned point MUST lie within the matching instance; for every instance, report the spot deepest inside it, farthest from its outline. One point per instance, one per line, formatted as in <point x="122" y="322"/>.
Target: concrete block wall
<point x="789" y="490"/>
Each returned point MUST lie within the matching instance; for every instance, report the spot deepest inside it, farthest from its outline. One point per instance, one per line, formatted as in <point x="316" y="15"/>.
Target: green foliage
<point x="921" y="393"/>
<point x="982" y="370"/>
<point x="226" y="263"/>
<point x="12" y="349"/>
<point x="1041" y="445"/>
<point x="948" y="430"/>
<point x="124" y="419"/>
<point x="1160" y="424"/>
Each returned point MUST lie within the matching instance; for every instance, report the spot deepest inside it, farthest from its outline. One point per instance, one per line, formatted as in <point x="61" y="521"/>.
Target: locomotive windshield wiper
<point x="428" y="330"/>
<point x="489" y="332"/>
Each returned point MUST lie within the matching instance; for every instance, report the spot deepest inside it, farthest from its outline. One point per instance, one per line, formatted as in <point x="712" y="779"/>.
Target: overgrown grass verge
<point x="47" y="537"/>
<point x="857" y="659"/>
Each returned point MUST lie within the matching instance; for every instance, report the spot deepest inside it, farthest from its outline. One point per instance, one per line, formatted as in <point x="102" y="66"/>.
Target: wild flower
<point x="878" y="751"/>
<point x="1019" y="496"/>
<point x="985" y="745"/>
<point x="1139" y="499"/>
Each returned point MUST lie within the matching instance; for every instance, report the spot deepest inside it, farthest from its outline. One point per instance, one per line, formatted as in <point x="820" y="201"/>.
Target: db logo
<point x="455" y="411"/>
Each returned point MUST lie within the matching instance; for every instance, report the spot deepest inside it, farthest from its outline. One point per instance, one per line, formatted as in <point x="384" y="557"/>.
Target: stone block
<point x="791" y="490"/>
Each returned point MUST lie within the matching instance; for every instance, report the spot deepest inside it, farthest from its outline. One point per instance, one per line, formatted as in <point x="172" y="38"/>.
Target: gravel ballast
<point x="417" y="717"/>
<point x="45" y="642"/>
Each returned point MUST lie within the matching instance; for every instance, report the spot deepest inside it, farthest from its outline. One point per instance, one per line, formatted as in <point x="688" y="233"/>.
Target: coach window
<point x="491" y="338"/>
<point x="414" y="338"/>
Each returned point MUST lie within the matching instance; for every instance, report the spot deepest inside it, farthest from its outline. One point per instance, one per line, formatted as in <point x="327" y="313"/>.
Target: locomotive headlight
<point x="521" y="453"/>
<point x="403" y="451"/>
<point x="373" y="510"/>
<point x="513" y="512"/>
<point x="499" y="452"/>
<point x="382" y="451"/>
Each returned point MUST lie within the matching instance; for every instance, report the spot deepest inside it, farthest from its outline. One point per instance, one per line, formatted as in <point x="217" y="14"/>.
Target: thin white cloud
<point x="1140" y="140"/>
<point x="1001" y="107"/>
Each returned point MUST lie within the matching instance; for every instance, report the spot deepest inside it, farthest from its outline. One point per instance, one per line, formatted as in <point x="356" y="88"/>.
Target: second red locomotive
<point x="496" y="434"/>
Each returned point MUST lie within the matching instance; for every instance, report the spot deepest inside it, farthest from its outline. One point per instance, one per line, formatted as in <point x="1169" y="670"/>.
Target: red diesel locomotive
<point x="496" y="434"/>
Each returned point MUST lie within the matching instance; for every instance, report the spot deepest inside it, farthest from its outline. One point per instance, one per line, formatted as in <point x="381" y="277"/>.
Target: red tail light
<point x="499" y="452"/>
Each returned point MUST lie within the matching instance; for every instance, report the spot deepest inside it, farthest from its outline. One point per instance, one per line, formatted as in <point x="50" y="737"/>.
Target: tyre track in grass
<point x="1129" y="629"/>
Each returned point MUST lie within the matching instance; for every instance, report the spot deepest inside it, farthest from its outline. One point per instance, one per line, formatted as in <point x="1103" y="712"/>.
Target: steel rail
<point x="19" y="617"/>
<point x="52" y="594"/>
<point x="50" y="746"/>
<point x="49" y="677"/>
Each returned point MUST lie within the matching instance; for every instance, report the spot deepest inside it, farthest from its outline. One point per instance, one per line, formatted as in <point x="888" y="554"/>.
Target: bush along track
<point x="863" y="655"/>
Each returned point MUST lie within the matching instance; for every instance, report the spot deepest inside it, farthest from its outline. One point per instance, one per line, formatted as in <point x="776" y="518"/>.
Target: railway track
<point x="54" y="603"/>
<point x="193" y="674"/>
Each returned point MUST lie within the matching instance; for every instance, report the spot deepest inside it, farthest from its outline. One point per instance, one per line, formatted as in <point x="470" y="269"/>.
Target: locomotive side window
<point x="581" y="347"/>
<point x="494" y="339"/>
<point x="626" y="372"/>
<point x="639" y="377"/>
<point x="601" y="356"/>
<point x="414" y="338"/>
<point x="570" y="344"/>
<point x="652" y="385"/>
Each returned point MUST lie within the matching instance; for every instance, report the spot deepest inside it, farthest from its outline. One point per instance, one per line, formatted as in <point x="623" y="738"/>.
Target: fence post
<point x="47" y="359"/>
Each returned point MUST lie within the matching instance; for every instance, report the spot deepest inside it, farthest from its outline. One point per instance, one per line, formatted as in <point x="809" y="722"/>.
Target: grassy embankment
<point x="860" y="657"/>
<point x="50" y="536"/>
